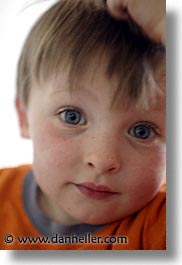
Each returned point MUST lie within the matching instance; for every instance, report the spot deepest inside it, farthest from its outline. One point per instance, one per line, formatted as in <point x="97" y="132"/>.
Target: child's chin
<point x="91" y="220"/>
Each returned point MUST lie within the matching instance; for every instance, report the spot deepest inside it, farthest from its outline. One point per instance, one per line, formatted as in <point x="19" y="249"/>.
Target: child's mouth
<point x="97" y="192"/>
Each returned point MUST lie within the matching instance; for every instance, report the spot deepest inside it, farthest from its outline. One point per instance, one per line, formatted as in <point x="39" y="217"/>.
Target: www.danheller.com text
<point x="71" y="239"/>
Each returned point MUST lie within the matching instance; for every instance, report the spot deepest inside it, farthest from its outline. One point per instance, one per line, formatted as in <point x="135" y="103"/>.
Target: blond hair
<point x="72" y="32"/>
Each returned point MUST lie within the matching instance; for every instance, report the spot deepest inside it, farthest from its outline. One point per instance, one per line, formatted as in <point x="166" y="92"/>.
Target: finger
<point x="118" y="8"/>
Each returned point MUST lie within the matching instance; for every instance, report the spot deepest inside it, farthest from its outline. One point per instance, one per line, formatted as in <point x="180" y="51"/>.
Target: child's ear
<point x="22" y="117"/>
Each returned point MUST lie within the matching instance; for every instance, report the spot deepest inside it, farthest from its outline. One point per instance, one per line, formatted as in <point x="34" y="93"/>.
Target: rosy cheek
<point x="56" y="146"/>
<point x="160" y="161"/>
<point x="149" y="170"/>
<point x="157" y="172"/>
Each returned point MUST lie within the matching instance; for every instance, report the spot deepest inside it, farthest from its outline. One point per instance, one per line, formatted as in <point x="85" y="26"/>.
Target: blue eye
<point x="142" y="131"/>
<point x="72" y="116"/>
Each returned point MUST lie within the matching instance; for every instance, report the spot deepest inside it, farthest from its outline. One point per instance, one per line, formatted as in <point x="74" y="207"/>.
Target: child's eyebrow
<point x="73" y="92"/>
<point x="157" y="108"/>
<point x="58" y="91"/>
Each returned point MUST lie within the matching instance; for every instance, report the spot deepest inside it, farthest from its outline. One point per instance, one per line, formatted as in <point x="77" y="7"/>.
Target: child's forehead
<point x="69" y="35"/>
<point x="95" y="86"/>
<point x="94" y="75"/>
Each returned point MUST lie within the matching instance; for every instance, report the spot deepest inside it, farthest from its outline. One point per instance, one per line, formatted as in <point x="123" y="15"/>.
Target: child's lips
<point x="95" y="187"/>
<point x="95" y="191"/>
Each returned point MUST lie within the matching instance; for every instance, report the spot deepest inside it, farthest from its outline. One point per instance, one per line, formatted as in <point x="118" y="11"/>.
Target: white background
<point x="14" y="25"/>
<point x="16" y="18"/>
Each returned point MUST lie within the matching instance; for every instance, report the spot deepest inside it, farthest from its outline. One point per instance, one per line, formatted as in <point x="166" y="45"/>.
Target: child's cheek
<point x="54" y="146"/>
<point x="156" y="171"/>
<point x="157" y="168"/>
<point x="149" y="170"/>
<point x="159" y="163"/>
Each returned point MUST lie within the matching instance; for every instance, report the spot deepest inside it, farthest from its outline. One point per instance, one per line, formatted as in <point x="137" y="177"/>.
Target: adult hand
<point x="150" y="15"/>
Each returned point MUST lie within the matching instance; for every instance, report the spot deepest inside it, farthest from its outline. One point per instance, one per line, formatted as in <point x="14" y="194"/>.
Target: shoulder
<point x="158" y="204"/>
<point x="155" y="222"/>
<point x="11" y="184"/>
<point x="146" y="229"/>
<point x="10" y="175"/>
<point x="156" y="209"/>
<point x="11" y="170"/>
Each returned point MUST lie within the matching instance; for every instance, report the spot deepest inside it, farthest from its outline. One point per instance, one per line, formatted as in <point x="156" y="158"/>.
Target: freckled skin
<point x="100" y="152"/>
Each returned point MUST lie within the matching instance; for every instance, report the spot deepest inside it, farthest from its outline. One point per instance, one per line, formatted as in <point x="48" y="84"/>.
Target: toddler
<point x="91" y="97"/>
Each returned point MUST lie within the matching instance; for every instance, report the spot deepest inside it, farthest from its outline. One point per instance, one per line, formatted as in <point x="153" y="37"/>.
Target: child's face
<point x="95" y="162"/>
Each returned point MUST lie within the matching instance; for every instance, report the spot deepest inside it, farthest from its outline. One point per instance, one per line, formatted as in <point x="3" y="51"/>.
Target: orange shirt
<point x="145" y="229"/>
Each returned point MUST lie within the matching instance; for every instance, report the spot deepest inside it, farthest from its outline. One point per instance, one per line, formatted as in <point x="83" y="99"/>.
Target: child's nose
<point x="104" y="157"/>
